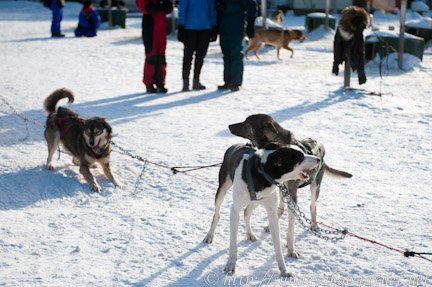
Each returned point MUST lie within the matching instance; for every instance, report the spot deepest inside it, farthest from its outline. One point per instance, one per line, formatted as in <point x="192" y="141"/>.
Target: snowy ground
<point x="55" y="232"/>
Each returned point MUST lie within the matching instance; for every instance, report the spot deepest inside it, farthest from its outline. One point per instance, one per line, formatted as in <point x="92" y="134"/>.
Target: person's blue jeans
<point x="57" y="16"/>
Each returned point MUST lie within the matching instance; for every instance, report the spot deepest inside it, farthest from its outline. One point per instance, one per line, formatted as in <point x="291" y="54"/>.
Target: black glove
<point x="250" y="27"/>
<point x="181" y="34"/>
<point x="167" y="6"/>
<point x="214" y="34"/>
<point x="335" y="69"/>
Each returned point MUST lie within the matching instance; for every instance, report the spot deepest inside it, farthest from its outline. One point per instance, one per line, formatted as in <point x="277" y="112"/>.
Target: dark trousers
<point x="231" y="30"/>
<point x="196" y="42"/>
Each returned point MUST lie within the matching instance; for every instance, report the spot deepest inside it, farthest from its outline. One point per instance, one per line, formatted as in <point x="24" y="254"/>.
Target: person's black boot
<point x="197" y="85"/>
<point x="224" y="87"/>
<point x="151" y="89"/>
<point x="185" y="85"/>
<point x="57" y="35"/>
<point x="234" y="88"/>
<point x="161" y="89"/>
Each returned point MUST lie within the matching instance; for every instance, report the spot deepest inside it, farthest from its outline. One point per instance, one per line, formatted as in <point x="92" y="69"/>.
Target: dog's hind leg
<point x="247" y="215"/>
<point x="53" y="140"/>
<point x="292" y="189"/>
<point x="109" y="174"/>
<point x="249" y="48"/>
<point x="220" y="194"/>
<point x="256" y="49"/>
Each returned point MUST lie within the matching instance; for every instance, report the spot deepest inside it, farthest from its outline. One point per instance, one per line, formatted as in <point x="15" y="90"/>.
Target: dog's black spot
<point x="281" y="161"/>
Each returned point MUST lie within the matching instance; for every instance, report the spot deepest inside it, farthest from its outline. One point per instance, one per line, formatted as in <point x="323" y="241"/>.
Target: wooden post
<point x="173" y="21"/>
<point x="110" y="21"/>
<point x="327" y="11"/>
<point x="402" y="33"/>
<point x="264" y="13"/>
<point x="347" y="72"/>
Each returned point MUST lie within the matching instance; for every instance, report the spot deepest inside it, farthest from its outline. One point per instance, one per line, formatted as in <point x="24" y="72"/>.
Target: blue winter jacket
<point x="88" y="23"/>
<point x="197" y="14"/>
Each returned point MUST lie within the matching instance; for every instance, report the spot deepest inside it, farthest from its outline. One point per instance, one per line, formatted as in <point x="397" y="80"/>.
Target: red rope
<point x="379" y="243"/>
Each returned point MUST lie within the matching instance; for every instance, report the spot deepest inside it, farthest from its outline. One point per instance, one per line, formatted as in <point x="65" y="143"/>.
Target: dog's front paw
<point x="286" y="274"/>
<point x="294" y="254"/>
<point x="118" y="185"/>
<point x="230" y="267"/>
<point x="208" y="239"/>
<point x="96" y="187"/>
<point x="50" y="167"/>
<point x="314" y="227"/>
<point x="251" y="237"/>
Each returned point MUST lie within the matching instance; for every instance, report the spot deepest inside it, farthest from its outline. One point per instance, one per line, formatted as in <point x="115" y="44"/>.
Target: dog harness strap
<point x="310" y="151"/>
<point x="304" y="148"/>
<point x="249" y="180"/>
<point x="267" y="176"/>
<point x="66" y="127"/>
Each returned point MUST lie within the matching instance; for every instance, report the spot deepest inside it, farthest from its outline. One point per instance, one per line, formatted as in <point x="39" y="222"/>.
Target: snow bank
<point x="321" y="33"/>
<point x="389" y="34"/>
<point x="423" y="22"/>
<point x="390" y="62"/>
<point x="269" y="22"/>
<point x="419" y="6"/>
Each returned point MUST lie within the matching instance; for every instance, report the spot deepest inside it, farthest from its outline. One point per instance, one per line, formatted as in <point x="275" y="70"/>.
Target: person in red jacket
<point x="154" y="38"/>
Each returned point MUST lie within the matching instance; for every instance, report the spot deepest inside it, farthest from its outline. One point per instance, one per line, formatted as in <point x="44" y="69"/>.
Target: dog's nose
<point x="91" y="142"/>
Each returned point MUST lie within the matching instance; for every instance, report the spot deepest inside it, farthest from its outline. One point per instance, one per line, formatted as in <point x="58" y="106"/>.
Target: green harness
<point x="308" y="150"/>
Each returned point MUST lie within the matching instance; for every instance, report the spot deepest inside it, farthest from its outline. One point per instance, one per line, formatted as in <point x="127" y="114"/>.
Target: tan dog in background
<point x="278" y="38"/>
<point x="278" y="17"/>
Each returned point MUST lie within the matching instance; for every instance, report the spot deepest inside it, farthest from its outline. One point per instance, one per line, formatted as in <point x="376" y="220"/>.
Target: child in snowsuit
<point x="154" y="38"/>
<point x="232" y="18"/>
<point x="88" y="21"/>
<point x="197" y="20"/>
<point x="57" y="16"/>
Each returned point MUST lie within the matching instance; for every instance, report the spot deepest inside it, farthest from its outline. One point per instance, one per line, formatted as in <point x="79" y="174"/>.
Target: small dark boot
<point x="161" y="89"/>
<point x="185" y="85"/>
<point x="151" y="89"/>
<point x="234" y="88"/>
<point x="224" y="87"/>
<point x="197" y="85"/>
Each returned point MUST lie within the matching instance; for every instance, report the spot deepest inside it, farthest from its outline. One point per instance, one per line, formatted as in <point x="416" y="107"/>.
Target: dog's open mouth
<point x="96" y="148"/>
<point x="304" y="175"/>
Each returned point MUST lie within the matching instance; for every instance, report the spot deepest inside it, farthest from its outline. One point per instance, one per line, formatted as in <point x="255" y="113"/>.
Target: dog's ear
<point x="272" y="127"/>
<point x="107" y="126"/>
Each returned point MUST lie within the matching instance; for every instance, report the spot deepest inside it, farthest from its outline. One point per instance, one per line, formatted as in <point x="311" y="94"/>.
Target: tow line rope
<point x="292" y="205"/>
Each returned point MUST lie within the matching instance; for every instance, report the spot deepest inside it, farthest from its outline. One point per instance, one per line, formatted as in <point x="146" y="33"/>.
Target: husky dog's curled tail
<point x="52" y="100"/>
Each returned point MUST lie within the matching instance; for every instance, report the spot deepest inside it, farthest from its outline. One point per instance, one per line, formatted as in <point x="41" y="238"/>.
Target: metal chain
<point x="25" y="120"/>
<point x="331" y="235"/>
<point x="139" y="179"/>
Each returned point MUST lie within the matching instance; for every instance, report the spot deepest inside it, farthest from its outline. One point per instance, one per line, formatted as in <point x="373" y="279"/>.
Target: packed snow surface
<point x="54" y="231"/>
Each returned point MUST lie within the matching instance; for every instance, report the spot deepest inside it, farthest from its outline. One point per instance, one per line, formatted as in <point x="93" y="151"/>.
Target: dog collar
<point x="266" y="175"/>
<point x="261" y="170"/>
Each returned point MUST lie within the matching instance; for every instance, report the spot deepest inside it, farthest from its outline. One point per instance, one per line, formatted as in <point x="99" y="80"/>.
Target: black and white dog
<point x="261" y="130"/>
<point x="254" y="175"/>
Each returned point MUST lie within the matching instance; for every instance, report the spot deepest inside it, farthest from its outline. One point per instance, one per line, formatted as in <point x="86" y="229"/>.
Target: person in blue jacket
<point x="57" y="16"/>
<point x="232" y="17"/>
<point x="196" y="27"/>
<point x="88" y="21"/>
